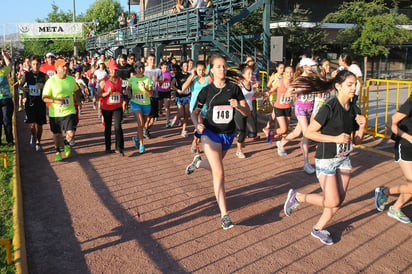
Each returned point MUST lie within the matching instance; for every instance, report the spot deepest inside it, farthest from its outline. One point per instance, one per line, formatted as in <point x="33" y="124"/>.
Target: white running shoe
<point x="308" y="168"/>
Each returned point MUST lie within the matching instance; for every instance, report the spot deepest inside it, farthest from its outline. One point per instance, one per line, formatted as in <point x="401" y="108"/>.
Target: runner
<point x="49" y="67"/>
<point x="218" y="130"/>
<point x="303" y="111"/>
<point x="155" y="74"/>
<point x="125" y="70"/>
<point x="83" y="88"/>
<point x="274" y="78"/>
<point x="60" y="91"/>
<point x="100" y="73"/>
<point x="245" y="122"/>
<point x="24" y="69"/>
<point x="182" y="97"/>
<point x="112" y="106"/>
<point x="139" y="89"/>
<point x="92" y="83"/>
<point x="165" y="93"/>
<point x="35" y="108"/>
<point x="283" y="106"/>
<point x="197" y="81"/>
<point x="6" y="100"/>
<point x="332" y="128"/>
<point x="401" y="127"/>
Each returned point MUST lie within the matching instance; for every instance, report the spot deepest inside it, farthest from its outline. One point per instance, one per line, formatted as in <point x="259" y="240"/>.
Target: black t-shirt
<point x="406" y="123"/>
<point x="180" y="79"/>
<point x="124" y="73"/>
<point x="35" y="93"/>
<point x="336" y="120"/>
<point x="219" y="116"/>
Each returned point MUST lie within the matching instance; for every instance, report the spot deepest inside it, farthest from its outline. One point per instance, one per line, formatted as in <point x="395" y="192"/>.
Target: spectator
<point x="122" y="21"/>
<point x="200" y="6"/>
<point x="132" y="23"/>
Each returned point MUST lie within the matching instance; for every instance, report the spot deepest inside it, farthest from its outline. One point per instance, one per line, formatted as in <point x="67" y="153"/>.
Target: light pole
<point x="74" y="20"/>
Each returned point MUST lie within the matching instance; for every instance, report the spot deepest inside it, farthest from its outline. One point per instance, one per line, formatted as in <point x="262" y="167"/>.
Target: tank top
<point x="281" y="100"/>
<point x="114" y="100"/>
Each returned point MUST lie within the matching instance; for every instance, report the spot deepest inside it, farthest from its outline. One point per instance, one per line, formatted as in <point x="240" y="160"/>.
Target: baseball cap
<point x="307" y="62"/>
<point x="139" y="65"/>
<point x="60" y="62"/>
<point x="50" y="54"/>
<point x="112" y="65"/>
<point x="100" y="61"/>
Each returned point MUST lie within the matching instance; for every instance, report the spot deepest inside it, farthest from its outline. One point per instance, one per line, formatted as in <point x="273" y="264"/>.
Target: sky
<point x="27" y="11"/>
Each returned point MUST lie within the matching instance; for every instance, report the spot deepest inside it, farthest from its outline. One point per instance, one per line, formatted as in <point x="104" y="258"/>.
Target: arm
<point x="396" y="118"/>
<point x="241" y="106"/>
<point x="6" y="58"/>
<point x="188" y="81"/>
<point x="313" y="133"/>
<point x="360" y="119"/>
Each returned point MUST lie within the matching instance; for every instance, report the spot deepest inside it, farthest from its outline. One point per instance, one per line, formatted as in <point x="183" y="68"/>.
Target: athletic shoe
<point x="380" y="198"/>
<point x="291" y="202"/>
<point x="99" y="115"/>
<point x="398" y="215"/>
<point x="72" y="143"/>
<point x="281" y="152"/>
<point x="146" y="133"/>
<point x="67" y="150"/>
<point x="226" y="222"/>
<point x="184" y="134"/>
<point x="38" y="147"/>
<point x="308" y="168"/>
<point x="266" y="131"/>
<point x="32" y="141"/>
<point x="20" y="109"/>
<point x="173" y="122"/>
<point x="94" y="107"/>
<point x="58" y="156"/>
<point x="120" y="153"/>
<point x="141" y="149"/>
<point x="136" y="142"/>
<point x="240" y="155"/>
<point x="126" y="111"/>
<point x="323" y="236"/>
<point x="168" y="124"/>
<point x="193" y="166"/>
<point x="270" y="137"/>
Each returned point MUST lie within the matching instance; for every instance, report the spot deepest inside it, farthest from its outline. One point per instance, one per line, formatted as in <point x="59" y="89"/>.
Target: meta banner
<point x="50" y="30"/>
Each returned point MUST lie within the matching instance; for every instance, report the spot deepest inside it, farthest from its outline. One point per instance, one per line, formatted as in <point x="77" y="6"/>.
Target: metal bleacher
<point x="163" y="26"/>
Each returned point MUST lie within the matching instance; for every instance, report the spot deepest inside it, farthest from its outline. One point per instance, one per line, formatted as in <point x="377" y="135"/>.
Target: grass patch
<point x="6" y="205"/>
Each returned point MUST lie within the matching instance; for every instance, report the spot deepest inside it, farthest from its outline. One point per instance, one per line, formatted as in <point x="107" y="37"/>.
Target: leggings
<point x="244" y="123"/>
<point x="118" y="131"/>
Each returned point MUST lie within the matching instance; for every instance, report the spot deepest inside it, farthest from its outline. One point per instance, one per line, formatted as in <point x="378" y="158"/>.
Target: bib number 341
<point x="222" y="114"/>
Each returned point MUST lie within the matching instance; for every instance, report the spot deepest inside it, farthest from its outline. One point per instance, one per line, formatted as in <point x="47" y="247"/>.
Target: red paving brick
<point x="98" y="213"/>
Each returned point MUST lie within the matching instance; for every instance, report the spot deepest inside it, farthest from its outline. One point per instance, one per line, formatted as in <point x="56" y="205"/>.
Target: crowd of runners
<point x="221" y="104"/>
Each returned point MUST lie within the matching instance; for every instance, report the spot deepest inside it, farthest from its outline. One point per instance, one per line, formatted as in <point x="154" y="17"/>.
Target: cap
<point x="307" y="62"/>
<point x="100" y="61"/>
<point x="50" y="54"/>
<point x="112" y="65"/>
<point x="60" y="62"/>
<point x="139" y="65"/>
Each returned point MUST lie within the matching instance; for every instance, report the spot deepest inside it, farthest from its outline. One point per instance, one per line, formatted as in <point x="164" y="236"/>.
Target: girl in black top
<point x="401" y="126"/>
<point x="332" y="128"/>
<point x="218" y="129"/>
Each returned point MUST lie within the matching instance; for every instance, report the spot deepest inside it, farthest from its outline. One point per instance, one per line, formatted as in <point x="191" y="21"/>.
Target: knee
<point x="241" y="136"/>
<point x="333" y="203"/>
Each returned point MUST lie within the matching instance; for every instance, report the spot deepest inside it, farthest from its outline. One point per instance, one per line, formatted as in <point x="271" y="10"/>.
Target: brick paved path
<point x="97" y="213"/>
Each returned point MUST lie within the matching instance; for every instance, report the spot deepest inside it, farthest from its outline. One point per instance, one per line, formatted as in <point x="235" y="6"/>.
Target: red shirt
<point x="50" y="70"/>
<point x="114" y="100"/>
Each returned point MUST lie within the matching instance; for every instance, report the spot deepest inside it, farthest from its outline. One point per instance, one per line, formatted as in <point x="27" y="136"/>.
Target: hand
<point x="234" y="103"/>
<point x="361" y="120"/>
<point x="200" y="128"/>
<point x="342" y="138"/>
<point x="59" y="101"/>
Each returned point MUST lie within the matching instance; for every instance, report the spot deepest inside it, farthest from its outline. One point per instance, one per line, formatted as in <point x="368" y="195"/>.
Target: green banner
<point x="50" y="30"/>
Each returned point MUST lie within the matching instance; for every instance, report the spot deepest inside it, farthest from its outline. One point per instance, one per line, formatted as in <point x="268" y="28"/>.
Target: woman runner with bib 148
<point x="217" y="129"/>
<point x="332" y="129"/>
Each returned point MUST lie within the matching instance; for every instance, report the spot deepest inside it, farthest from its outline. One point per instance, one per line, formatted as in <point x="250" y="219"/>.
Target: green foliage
<point x="107" y="12"/>
<point x="375" y="27"/>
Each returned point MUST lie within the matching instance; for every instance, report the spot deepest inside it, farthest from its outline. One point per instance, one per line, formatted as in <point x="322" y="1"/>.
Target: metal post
<point x="74" y="20"/>
<point x="266" y="34"/>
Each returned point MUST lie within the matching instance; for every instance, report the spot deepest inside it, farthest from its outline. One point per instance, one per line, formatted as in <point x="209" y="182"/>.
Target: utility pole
<point x="74" y="21"/>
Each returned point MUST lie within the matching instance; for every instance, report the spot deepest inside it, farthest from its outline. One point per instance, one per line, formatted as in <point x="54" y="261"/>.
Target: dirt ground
<point x="98" y="213"/>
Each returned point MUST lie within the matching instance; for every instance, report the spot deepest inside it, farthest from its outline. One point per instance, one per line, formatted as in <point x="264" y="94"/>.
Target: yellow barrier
<point x="7" y="243"/>
<point x="380" y="100"/>
<point x="4" y="156"/>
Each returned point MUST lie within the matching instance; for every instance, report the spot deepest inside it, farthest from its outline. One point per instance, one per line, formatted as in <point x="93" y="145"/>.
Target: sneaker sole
<point x="396" y="218"/>
<point x="287" y="200"/>
<point x="313" y="235"/>
<point x="226" y="228"/>
<point x="377" y="191"/>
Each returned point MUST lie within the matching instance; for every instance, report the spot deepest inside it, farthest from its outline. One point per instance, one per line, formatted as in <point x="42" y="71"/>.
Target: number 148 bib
<point x="222" y="114"/>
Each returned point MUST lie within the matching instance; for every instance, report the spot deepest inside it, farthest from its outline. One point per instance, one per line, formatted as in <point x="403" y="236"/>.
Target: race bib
<point x="140" y="97"/>
<point x="51" y="73"/>
<point x="124" y="83"/>
<point x="343" y="150"/>
<point x="325" y="96"/>
<point x="187" y="91"/>
<point x="66" y="102"/>
<point x="34" y="90"/>
<point x="114" y="98"/>
<point x="222" y="114"/>
<point x="165" y="85"/>
<point x="307" y="97"/>
<point x="285" y="100"/>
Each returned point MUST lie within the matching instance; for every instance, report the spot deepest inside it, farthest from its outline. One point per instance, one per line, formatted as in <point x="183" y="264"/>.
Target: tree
<point x="375" y="27"/>
<point x="107" y="12"/>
